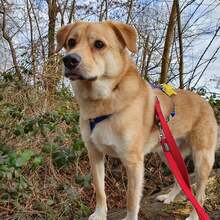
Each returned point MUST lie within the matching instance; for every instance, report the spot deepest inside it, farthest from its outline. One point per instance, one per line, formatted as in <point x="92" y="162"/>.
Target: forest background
<point x="44" y="170"/>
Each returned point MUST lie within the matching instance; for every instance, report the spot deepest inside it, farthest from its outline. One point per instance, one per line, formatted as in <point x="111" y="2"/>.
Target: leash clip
<point x="166" y="147"/>
<point x="162" y="138"/>
<point x="160" y="129"/>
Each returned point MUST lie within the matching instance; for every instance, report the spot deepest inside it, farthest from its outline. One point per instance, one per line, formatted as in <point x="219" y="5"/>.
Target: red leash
<point x="176" y="162"/>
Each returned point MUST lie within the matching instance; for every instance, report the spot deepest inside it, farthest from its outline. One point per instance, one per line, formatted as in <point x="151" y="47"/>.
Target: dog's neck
<point x="108" y="96"/>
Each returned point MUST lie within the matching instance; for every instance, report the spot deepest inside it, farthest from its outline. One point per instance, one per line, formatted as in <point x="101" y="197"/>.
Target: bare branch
<point x="203" y="54"/>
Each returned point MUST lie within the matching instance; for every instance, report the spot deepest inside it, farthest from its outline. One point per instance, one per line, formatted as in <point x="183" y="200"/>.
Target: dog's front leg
<point x="135" y="173"/>
<point x="96" y="159"/>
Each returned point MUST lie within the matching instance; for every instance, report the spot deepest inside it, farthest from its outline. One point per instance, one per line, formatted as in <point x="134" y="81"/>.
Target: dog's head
<point x="94" y="50"/>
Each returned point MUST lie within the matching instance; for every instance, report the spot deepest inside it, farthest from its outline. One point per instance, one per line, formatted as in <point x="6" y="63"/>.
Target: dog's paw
<point x="161" y="198"/>
<point x="193" y="217"/>
<point x="166" y="198"/>
<point x="97" y="215"/>
<point x="131" y="216"/>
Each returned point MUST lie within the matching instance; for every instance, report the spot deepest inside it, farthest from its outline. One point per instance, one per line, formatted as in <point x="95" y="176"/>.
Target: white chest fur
<point x="107" y="140"/>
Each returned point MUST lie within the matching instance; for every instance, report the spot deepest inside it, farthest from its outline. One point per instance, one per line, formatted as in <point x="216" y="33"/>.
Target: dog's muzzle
<point x="72" y="68"/>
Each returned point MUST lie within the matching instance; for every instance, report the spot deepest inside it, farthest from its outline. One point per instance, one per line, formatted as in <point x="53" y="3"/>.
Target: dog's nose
<point x="71" y="61"/>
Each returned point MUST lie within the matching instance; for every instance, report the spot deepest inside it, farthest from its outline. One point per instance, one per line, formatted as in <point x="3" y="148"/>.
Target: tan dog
<point x="106" y="82"/>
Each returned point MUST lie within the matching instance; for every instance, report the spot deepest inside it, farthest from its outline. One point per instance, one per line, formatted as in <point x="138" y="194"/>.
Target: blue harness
<point x="93" y="122"/>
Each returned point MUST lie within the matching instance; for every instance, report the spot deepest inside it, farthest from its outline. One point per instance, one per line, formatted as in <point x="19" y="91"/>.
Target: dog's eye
<point x="71" y="43"/>
<point x="99" y="44"/>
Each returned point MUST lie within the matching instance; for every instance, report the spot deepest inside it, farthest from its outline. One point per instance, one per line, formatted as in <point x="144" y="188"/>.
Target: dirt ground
<point x="178" y="210"/>
<point x="157" y="183"/>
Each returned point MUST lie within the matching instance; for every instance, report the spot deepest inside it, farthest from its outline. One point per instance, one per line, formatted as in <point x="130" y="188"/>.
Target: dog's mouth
<point x="75" y="75"/>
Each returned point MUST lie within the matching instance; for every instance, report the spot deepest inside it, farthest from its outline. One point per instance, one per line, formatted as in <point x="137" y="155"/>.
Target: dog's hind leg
<point x="96" y="159"/>
<point x="203" y="162"/>
<point x="203" y="152"/>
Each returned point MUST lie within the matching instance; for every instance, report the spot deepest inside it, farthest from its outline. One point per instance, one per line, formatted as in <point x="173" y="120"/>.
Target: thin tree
<point x="33" y="51"/>
<point x="180" y="38"/>
<point x="168" y="43"/>
<point x="130" y="5"/>
<point x="103" y="13"/>
<point x="52" y="73"/>
<point x="72" y="12"/>
<point x="52" y="13"/>
<point x="62" y="10"/>
<point x="144" y="55"/>
<point x="38" y="29"/>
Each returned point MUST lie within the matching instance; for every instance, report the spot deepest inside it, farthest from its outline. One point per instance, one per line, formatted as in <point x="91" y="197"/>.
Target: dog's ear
<point x="62" y="35"/>
<point x="126" y="35"/>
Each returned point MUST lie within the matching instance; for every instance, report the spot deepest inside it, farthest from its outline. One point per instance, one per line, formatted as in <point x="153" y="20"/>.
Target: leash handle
<point x="176" y="162"/>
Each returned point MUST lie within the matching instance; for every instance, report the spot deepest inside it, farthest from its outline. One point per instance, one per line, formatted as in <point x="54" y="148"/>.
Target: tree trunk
<point x="180" y="37"/>
<point x="33" y="67"/>
<point x="144" y="55"/>
<point x="52" y="74"/>
<point x="167" y="45"/>
<point x="52" y="12"/>
<point x="72" y="12"/>
<point x="101" y="11"/>
<point x="106" y="9"/>
<point x="130" y="2"/>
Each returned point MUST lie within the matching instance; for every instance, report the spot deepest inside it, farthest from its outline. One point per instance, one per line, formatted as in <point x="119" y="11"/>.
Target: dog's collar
<point x="94" y="121"/>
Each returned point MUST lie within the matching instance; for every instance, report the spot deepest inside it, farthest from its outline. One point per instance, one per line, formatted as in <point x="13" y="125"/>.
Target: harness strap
<point x="176" y="162"/>
<point x="166" y="89"/>
<point x="93" y="122"/>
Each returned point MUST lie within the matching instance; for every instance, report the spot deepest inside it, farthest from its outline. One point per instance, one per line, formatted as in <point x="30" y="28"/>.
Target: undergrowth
<point x="44" y="168"/>
<point x="40" y="152"/>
